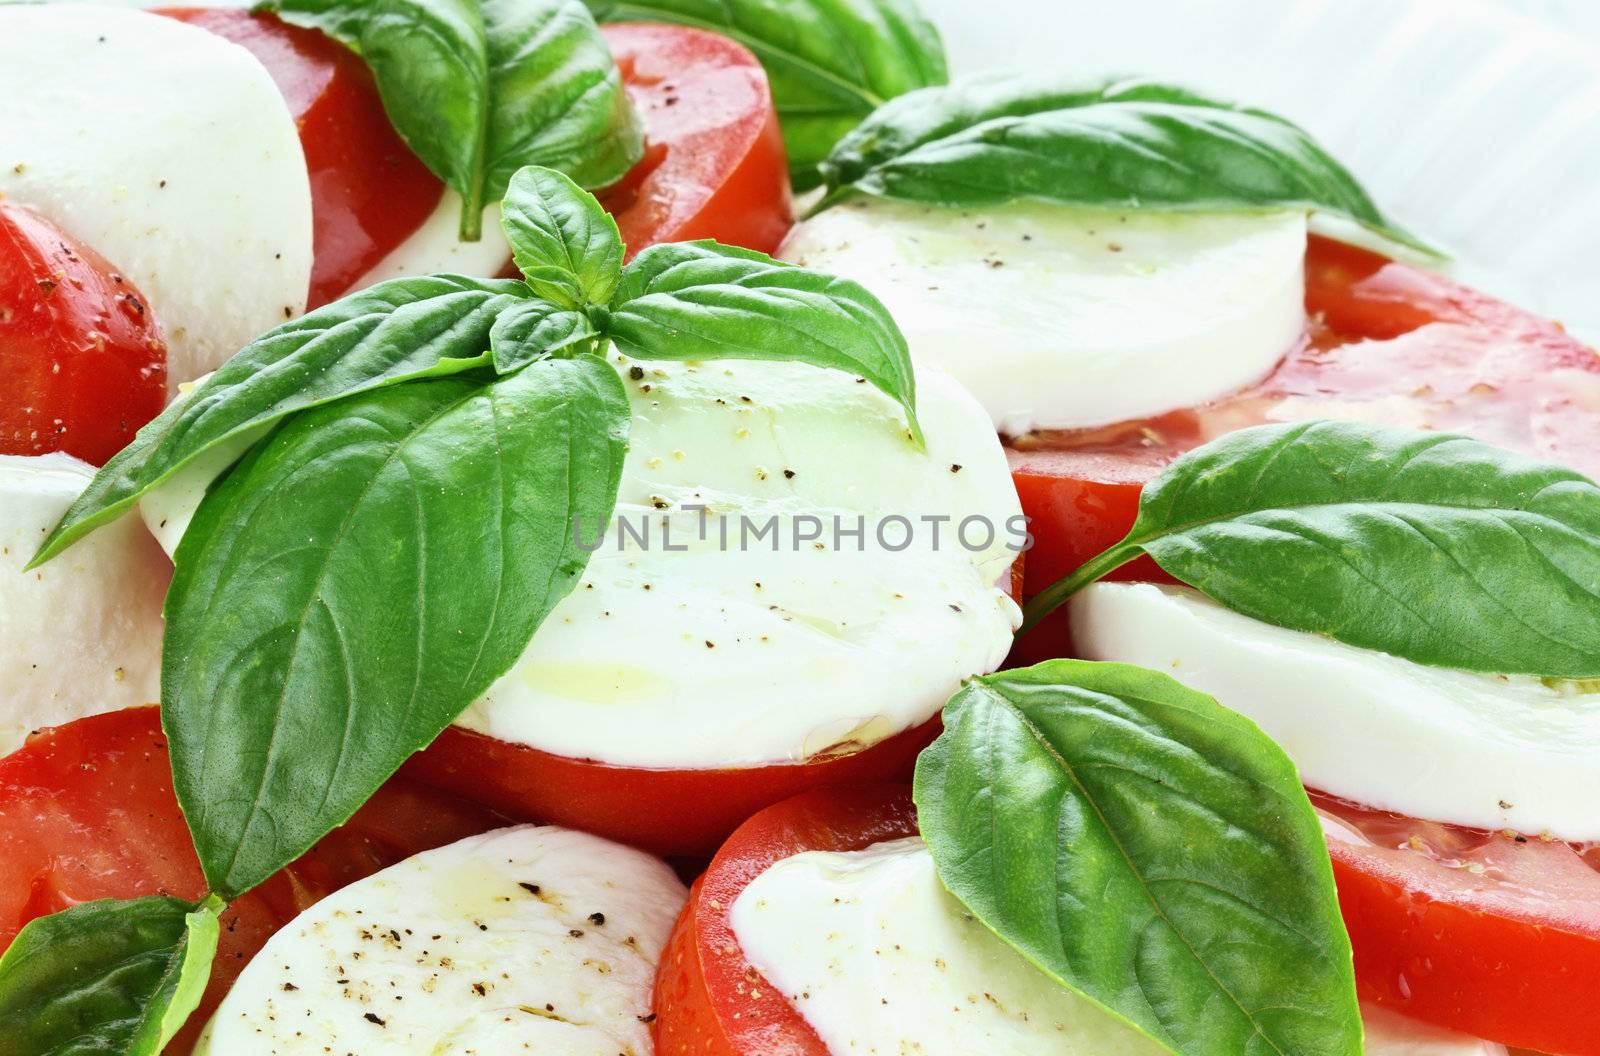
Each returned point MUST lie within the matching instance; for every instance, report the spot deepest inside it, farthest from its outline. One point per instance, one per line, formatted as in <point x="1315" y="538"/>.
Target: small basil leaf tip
<point x="1114" y="144"/>
<point x="445" y="505"/>
<point x="829" y="63"/>
<point x="106" y="977"/>
<point x="479" y="89"/>
<point x="1422" y="545"/>
<point x="701" y="300"/>
<point x="1147" y="848"/>
<point x="396" y="331"/>
<point x="567" y="247"/>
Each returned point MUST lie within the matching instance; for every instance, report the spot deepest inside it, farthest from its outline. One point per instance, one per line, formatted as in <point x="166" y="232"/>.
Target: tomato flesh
<point x="1490" y="933"/>
<point x="369" y="193"/>
<point x="709" y="999"/>
<point x="82" y="362"/>
<point x="714" y="164"/>
<point x="87" y="811"/>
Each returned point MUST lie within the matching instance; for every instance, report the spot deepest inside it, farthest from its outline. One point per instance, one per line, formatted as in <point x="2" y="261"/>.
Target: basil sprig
<point x="1433" y="547"/>
<point x="106" y="977"/>
<point x="830" y="63"/>
<point x="399" y="474"/>
<point x="1118" y="144"/>
<point x="1147" y="848"/>
<point x="480" y="88"/>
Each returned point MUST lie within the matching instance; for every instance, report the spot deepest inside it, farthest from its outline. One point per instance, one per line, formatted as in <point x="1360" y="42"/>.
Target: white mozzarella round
<point x="878" y="957"/>
<point x="436" y="248"/>
<point x="81" y="634"/>
<point x="170" y="152"/>
<point x="528" y="939"/>
<point x="1490" y="751"/>
<point x="709" y="654"/>
<point x="1059" y="317"/>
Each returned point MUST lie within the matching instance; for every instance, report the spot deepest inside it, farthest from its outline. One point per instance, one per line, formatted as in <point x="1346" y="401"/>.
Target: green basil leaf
<point x="1424" y="545"/>
<point x="395" y="331"/>
<point x="478" y="90"/>
<point x="701" y="300"/>
<point x="1148" y="849"/>
<point x="106" y="977"/>
<point x="532" y="330"/>
<point x="358" y="580"/>
<point x="567" y="247"/>
<point x="1116" y="144"/>
<point x="830" y="63"/>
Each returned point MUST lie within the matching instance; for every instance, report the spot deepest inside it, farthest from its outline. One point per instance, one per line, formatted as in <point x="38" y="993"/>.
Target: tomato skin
<point x="1482" y="932"/>
<point x="87" y="811"/>
<point x="668" y="812"/>
<point x="709" y="1000"/>
<point x="369" y="193"/>
<point x="714" y="164"/>
<point x="82" y="362"/>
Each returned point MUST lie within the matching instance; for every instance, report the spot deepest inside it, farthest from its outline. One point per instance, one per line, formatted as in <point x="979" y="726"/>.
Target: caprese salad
<point x="1096" y="588"/>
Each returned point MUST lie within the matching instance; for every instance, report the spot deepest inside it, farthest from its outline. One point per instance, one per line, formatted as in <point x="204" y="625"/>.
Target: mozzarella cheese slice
<point x="168" y="150"/>
<point x="527" y="939"/>
<point x="435" y="248"/>
<point x="786" y="573"/>
<point x="81" y="634"/>
<point x="879" y="958"/>
<point x="1060" y="318"/>
<point x="695" y="652"/>
<point x="1490" y="751"/>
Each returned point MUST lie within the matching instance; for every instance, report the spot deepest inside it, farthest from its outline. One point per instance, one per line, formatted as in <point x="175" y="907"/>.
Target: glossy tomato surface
<point x="1490" y="933"/>
<point x="670" y="812"/>
<point x="709" y="1000"/>
<point x="369" y="193"/>
<point x="82" y="362"/>
<point x="87" y="811"/>
<point x="1388" y="343"/>
<point x="714" y="164"/>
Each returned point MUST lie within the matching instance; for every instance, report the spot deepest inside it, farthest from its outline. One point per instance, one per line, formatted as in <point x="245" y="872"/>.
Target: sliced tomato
<point x="1490" y="933"/>
<point x="710" y="1000"/>
<point x="87" y="811"/>
<point x="670" y="812"/>
<point x="369" y="193"/>
<point x="82" y="363"/>
<point x="1388" y="343"/>
<point x="714" y="164"/>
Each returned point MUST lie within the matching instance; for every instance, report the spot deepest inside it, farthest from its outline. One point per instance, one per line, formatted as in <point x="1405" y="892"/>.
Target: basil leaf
<point x="1116" y="144"/>
<point x="1148" y="849"/>
<point x="1424" y="545"/>
<point x="830" y="63"/>
<point x="395" y="331"/>
<point x="532" y="330"/>
<point x="701" y="300"/>
<point x="478" y="90"/>
<point x="358" y="580"/>
<point x="106" y="977"/>
<point x="567" y="247"/>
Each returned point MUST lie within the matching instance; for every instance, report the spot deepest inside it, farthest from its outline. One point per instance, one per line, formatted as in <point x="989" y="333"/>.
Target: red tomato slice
<point x="368" y="191"/>
<point x="1388" y="342"/>
<point x="1490" y="933"/>
<point x="709" y="1000"/>
<point x="87" y="811"/>
<point x="714" y="164"/>
<point x="669" y="812"/>
<point x="82" y="363"/>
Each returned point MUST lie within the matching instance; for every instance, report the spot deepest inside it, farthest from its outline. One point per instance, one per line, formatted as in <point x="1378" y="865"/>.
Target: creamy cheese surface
<point x="1490" y="751"/>
<point x="81" y="634"/>
<point x="1058" y="317"/>
<point x="170" y="152"/>
<point x="881" y="961"/>
<point x="529" y="939"/>
<point x="436" y="248"/>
